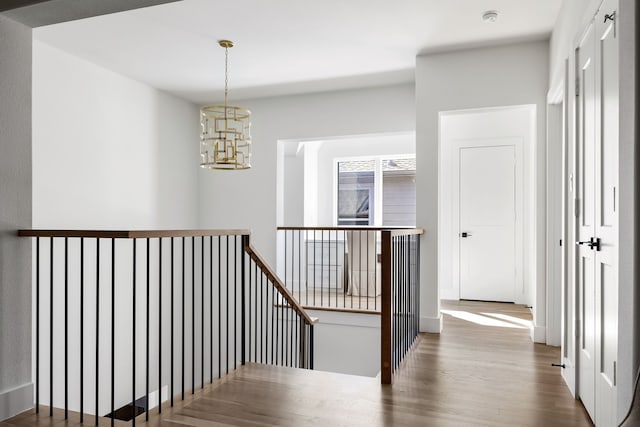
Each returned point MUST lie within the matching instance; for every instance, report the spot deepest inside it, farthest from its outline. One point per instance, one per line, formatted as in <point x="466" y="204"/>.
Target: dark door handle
<point x="592" y="243"/>
<point x="465" y="234"/>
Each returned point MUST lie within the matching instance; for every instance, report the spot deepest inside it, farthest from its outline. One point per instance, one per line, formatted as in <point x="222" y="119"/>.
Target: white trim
<point x="569" y="375"/>
<point x="15" y="401"/>
<point x="538" y="333"/>
<point x="567" y="335"/>
<point x="431" y="324"/>
<point x="346" y="319"/>
<point x="153" y="396"/>
<point x="449" y="294"/>
<point x="465" y="111"/>
<point x="554" y="282"/>
<point x="557" y="95"/>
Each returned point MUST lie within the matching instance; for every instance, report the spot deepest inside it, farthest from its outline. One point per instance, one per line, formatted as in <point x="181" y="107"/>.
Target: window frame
<point x="377" y="183"/>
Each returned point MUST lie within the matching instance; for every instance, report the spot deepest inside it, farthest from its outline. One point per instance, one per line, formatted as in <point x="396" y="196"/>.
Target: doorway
<point x="486" y="193"/>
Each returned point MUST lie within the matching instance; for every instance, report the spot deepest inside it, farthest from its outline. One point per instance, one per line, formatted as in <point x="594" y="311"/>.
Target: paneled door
<point x="606" y="214"/>
<point x="487" y="223"/>
<point x="597" y="158"/>
<point x="585" y="260"/>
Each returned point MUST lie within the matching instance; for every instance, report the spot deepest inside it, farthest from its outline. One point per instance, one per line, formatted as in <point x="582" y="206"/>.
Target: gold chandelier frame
<point x="225" y="139"/>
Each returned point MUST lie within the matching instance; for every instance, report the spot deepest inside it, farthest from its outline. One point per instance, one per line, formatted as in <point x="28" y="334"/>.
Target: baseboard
<point x="431" y="324"/>
<point x="449" y="294"/>
<point x="346" y="319"/>
<point x="538" y="334"/>
<point x="569" y="375"/>
<point x="13" y="402"/>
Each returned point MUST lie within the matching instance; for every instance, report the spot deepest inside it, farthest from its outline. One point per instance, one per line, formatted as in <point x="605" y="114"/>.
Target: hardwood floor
<point x="486" y="371"/>
<point x="483" y="370"/>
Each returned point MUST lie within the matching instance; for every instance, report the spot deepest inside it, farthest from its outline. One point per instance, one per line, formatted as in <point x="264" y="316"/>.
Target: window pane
<point x="399" y="192"/>
<point x="356" y="192"/>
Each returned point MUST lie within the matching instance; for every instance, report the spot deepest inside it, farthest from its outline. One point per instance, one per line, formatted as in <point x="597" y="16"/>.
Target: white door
<point x="606" y="214"/>
<point x="487" y="223"/>
<point x="597" y="216"/>
<point x="585" y="264"/>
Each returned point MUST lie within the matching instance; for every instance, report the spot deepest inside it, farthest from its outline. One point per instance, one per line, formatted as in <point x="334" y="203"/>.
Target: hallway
<point x="483" y="370"/>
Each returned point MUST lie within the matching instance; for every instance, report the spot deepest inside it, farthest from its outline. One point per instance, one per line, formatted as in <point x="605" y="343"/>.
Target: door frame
<point x="560" y="98"/>
<point x="557" y="207"/>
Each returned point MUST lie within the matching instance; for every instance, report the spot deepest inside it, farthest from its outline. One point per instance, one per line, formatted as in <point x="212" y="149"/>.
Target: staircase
<point x="153" y="316"/>
<point x="160" y="319"/>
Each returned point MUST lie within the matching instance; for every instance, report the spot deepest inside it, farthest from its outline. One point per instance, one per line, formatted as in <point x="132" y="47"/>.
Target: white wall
<point x="572" y="20"/>
<point x="15" y="213"/>
<point x="109" y="152"/>
<point x="247" y="199"/>
<point x="318" y="193"/>
<point x="489" y="77"/>
<point x="628" y="293"/>
<point x="293" y="188"/>
<point x="347" y="343"/>
<point x="311" y="183"/>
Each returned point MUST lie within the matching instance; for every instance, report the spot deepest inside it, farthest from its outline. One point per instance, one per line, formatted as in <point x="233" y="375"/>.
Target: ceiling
<point x="37" y="13"/>
<point x="290" y="46"/>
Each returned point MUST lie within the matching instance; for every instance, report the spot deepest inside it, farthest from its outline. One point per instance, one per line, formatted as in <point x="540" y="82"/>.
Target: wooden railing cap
<point x="405" y="232"/>
<point x="131" y="234"/>
<point x="277" y="283"/>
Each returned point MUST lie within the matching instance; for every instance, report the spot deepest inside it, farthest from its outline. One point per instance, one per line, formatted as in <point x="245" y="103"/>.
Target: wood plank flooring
<point x="483" y="370"/>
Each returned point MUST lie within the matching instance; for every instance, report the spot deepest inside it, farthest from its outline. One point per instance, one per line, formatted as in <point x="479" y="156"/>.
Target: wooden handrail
<point x="277" y="283"/>
<point x="405" y="232"/>
<point x="130" y="234"/>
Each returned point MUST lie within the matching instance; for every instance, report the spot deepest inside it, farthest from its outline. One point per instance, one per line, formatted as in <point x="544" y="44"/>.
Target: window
<point x="356" y="192"/>
<point x="376" y="191"/>
<point x="399" y="192"/>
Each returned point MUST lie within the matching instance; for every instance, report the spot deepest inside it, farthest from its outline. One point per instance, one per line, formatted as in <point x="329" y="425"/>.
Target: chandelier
<point x="225" y="139"/>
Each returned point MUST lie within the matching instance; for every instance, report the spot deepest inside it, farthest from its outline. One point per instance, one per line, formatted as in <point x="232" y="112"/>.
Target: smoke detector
<point x="490" y="16"/>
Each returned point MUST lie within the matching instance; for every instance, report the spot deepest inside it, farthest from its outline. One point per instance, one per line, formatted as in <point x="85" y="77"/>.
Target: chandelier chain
<point x="226" y="76"/>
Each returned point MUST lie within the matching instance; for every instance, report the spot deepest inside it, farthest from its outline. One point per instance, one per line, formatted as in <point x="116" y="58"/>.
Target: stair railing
<point x="127" y="320"/>
<point x="400" y="313"/>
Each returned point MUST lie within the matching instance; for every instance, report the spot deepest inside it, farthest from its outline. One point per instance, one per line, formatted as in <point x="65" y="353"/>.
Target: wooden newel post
<point x="243" y="302"/>
<point x="386" y="368"/>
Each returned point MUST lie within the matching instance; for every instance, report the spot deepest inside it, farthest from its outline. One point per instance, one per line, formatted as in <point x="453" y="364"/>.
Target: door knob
<point x="465" y="234"/>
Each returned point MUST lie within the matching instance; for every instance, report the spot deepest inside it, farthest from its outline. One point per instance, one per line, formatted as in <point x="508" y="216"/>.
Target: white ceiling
<point x="290" y="46"/>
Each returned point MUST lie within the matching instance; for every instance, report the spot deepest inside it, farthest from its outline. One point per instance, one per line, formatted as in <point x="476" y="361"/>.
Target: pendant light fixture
<point x="225" y="140"/>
